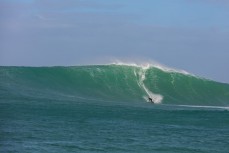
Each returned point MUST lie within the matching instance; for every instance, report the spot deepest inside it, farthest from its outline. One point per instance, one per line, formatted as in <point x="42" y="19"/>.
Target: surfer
<point x="150" y="100"/>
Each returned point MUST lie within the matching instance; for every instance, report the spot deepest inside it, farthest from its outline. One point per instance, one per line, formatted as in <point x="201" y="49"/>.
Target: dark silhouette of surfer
<point x="151" y="100"/>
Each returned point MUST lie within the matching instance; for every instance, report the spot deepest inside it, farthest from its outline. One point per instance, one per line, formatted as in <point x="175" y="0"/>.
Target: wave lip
<point x="112" y="83"/>
<point x="152" y="65"/>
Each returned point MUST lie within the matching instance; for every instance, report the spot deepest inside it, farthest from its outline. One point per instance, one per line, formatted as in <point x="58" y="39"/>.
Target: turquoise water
<point x="104" y="109"/>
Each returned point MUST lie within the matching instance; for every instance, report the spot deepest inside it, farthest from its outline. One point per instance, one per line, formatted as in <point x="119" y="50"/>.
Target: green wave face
<point x="178" y="88"/>
<point x="111" y="83"/>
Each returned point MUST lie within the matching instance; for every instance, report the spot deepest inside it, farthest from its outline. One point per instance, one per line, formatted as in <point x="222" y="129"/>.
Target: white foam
<point x="157" y="98"/>
<point x="147" y="65"/>
<point x="210" y="107"/>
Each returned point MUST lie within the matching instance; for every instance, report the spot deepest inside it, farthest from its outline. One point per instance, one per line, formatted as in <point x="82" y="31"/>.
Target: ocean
<point x="105" y="108"/>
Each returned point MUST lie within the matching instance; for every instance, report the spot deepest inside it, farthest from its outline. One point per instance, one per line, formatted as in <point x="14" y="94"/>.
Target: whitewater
<point x="105" y="108"/>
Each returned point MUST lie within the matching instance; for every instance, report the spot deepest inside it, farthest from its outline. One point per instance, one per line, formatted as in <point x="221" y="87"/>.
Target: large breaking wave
<point x="110" y="83"/>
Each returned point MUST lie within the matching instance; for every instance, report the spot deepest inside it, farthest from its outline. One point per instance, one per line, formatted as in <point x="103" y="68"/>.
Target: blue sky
<point x="186" y="34"/>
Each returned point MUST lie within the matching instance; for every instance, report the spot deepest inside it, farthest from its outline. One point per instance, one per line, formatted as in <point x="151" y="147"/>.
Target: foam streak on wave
<point x="157" y="98"/>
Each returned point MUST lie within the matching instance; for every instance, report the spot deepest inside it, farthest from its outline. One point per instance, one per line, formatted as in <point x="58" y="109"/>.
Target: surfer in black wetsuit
<point x="151" y="100"/>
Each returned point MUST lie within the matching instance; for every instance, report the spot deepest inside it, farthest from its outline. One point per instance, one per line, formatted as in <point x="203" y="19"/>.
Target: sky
<point x="191" y="35"/>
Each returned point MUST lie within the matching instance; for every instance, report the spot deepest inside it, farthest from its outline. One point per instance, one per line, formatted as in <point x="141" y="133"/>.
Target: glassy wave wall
<point x="112" y="83"/>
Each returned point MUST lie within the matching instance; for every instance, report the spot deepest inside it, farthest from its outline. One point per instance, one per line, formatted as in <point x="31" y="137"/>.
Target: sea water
<point x="104" y="109"/>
